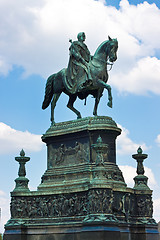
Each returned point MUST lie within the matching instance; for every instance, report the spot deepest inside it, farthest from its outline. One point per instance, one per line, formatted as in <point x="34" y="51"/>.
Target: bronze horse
<point x="56" y="83"/>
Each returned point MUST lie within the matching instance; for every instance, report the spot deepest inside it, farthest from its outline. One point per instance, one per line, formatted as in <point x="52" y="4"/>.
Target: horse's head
<point x="107" y="51"/>
<point x="112" y="47"/>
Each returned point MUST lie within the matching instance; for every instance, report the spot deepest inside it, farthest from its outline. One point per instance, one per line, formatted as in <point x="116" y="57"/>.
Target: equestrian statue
<point x="84" y="75"/>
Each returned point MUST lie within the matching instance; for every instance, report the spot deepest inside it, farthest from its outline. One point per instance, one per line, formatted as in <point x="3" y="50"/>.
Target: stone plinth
<point x="82" y="194"/>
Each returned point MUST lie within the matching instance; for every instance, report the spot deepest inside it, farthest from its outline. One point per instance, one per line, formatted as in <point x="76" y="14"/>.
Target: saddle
<point x="75" y="85"/>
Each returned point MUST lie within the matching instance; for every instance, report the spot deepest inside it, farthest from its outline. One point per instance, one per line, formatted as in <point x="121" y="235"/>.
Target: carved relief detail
<point x="144" y="206"/>
<point x="93" y="201"/>
<point x="64" y="155"/>
<point x="96" y="202"/>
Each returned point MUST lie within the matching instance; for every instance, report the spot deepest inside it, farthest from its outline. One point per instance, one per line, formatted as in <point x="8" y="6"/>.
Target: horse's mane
<point x="101" y="46"/>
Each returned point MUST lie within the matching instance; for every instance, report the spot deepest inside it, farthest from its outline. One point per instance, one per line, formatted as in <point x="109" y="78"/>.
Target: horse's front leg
<point x="97" y="99"/>
<point x="71" y="101"/>
<point x="53" y="104"/>
<point x="95" y="106"/>
<point x="102" y="84"/>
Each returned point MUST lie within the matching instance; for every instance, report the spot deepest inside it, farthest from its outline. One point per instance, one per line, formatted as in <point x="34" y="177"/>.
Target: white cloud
<point x="141" y="21"/>
<point x="129" y="173"/>
<point x="125" y="145"/>
<point x="5" y="212"/>
<point x="35" y="35"/>
<point x="144" y="77"/>
<point x="158" y="140"/>
<point x="138" y="67"/>
<point x="12" y="140"/>
<point x="151" y="179"/>
<point x="156" y="208"/>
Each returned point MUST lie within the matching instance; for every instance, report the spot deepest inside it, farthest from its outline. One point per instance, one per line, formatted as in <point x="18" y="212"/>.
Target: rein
<point x="111" y="65"/>
<point x="108" y="63"/>
<point x="99" y="60"/>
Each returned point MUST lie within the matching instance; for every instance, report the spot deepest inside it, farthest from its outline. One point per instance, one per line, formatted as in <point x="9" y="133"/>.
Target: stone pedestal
<point x="72" y="163"/>
<point x="82" y="194"/>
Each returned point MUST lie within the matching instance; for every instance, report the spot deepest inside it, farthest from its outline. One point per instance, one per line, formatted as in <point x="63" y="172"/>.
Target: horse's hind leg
<point x="53" y="104"/>
<point x="71" y="101"/>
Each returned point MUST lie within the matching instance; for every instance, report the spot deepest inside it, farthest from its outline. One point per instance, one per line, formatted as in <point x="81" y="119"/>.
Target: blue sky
<point x="115" y="3"/>
<point x="34" y="43"/>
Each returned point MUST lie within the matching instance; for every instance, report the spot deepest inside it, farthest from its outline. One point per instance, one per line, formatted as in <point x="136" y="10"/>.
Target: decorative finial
<point x="139" y="150"/>
<point x="99" y="139"/>
<point x="22" y="153"/>
<point x="22" y="181"/>
<point x="100" y="148"/>
<point x="140" y="179"/>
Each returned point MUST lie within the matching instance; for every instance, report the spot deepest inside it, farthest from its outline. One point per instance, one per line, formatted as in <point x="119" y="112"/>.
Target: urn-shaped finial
<point x="22" y="153"/>
<point x="139" y="157"/>
<point x="22" y="181"/>
<point x="100" y="148"/>
<point x="139" y="150"/>
<point x="140" y="179"/>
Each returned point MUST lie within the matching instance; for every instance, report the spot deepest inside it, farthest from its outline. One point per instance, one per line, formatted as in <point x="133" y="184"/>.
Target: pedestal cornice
<point x="88" y="123"/>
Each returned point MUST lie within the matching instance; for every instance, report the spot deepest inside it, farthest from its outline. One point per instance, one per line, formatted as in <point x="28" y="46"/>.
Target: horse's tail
<point x="48" y="92"/>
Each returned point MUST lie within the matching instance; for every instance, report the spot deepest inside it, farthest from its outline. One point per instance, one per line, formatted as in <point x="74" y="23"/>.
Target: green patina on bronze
<point x="100" y="149"/>
<point x="82" y="188"/>
<point x="82" y="194"/>
<point x="22" y="181"/>
<point x="140" y="179"/>
<point x="84" y="75"/>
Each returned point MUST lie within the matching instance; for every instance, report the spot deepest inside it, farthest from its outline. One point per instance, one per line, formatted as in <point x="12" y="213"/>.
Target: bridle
<point x="111" y="65"/>
<point x="104" y="62"/>
<point x="108" y="62"/>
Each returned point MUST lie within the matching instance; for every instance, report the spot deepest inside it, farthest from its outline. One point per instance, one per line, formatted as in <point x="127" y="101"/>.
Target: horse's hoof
<point x="109" y="104"/>
<point x="79" y="117"/>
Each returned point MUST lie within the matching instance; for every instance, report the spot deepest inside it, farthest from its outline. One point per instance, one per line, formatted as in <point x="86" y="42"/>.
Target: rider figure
<point x="78" y="67"/>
